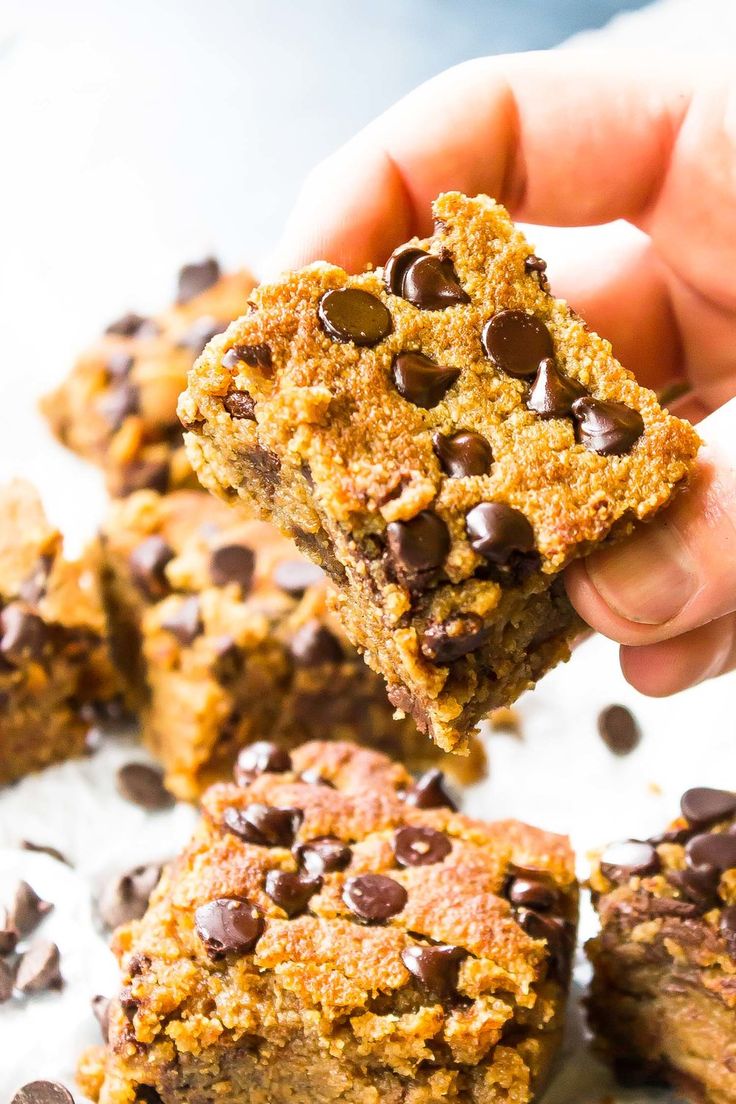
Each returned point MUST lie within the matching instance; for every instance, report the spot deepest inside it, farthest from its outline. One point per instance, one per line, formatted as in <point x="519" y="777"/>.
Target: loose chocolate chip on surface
<point x="296" y="576"/>
<point x="418" y="547"/>
<point x="416" y="845"/>
<point x="125" y="897"/>
<point x="24" y="634"/>
<point x="457" y="636"/>
<point x="129" y="325"/>
<point x="323" y="855"/>
<point x="44" y="849"/>
<point x="7" y="980"/>
<point x="608" y="428"/>
<point x="184" y="622"/>
<point x="148" y="563"/>
<point x="428" y="792"/>
<point x="196" y="278"/>
<point x="374" y="897"/>
<point x="143" y="785"/>
<point x="349" y="314"/>
<point x="716" y="849"/>
<point x="313" y="644"/>
<point x="233" y="563"/>
<point x="702" y="806"/>
<point x="8" y="933"/>
<point x="291" y="892"/>
<point x="618" y="729"/>
<point x="200" y="333"/>
<point x="536" y="264"/>
<point x="27" y="909"/>
<point x="240" y="405"/>
<point x="497" y="531"/>
<point x="517" y="342"/>
<point x="532" y="893"/>
<point x="434" y="966"/>
<point x="397" y="264"/>
<point x="430" y="283"/>
<point x="265" y="825"/>
<point x="463" y="454"/>
<point x="420" y="380"/>
<point x="623" y="860"/>
<point x="228" y="925"/>
<point x="262" y="757"/>
<point x="38" y="969"/>
<point x="43" y="1092"/>
<point x="101" y="1012"/>
<point x="552" y="393"/>
<point x="255" y="356"/>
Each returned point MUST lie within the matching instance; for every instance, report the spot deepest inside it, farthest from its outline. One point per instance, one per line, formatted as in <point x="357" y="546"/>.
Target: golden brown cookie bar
<point x="663" y="999"/>
<point x="117" y="407"/>
<point x="333" y="941"/>
<point x="443" y="436"/>
<point x="224" y="633"/>
<point x="55" y="673"/>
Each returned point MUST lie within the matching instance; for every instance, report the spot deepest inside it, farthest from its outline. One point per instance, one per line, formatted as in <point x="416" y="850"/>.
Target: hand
<point x="573" y="139"/>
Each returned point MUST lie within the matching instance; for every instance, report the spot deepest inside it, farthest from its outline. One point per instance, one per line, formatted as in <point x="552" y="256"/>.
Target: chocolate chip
<point x="228" y="925"/>
<point x="618" y="729"/>
<point x="7" y="980"/>
<point x="608" y="428"/>
<point x="435" y="966"/>
<point x="296" y="576"/>
<point x="418" y="548"/>
<point x="629" y="858"/>
<point x="536" y="264"/>
<point x="516" y="342"/>
<point x="397" y="264"/>
<point x="262" y="757"/>
<point x="291" y="892"/>
<point x="716" y="849"/>
<point x="420" y="380"/>
<point x="8" y="933"/>
<point x="446" y="641"/>
<point x="552" y="393"/>
<point x="417" y="845"/>
<point x="703" y="806"/>
<point x="33" y="587"/>
<point x="196" y="278"/>
<point x="125" y="897"/>
<point x="462" y="455"/>
<point x="128" y="1004"/>
<point x="24" y="634"/>
<point x="27" y="909"/>
<point x="727" y="927"/>
<point x="265" y="825"/>
<point x="119" y="364"/>
<point x="129" y="325"/>
<point x="43" y="1092"/>
<point x="256" y="356"/>
<point x="233" y="563"/>
<point x="148" y="563"/>
<point x="38" y="969"/>
<point x="425" y="281"/>
<point x="498" y="531"/>
<point x="313" y="644"/>
<point x="323" y="855"/>
<point x="428" y="792"/>
<point x="532" y="893"/>
<point x="240" y="404"/>
<point x="558" y="936"/>
<point x="119" y="403"/>
<point x="101" y="1012"/>
<point x="184" y="622"/>
<point x="349" y="314"/>
<point x="200" y="333"/>
<point x="698" y="884"/>
<point x="228" y="659"/>
<point x="152" y="475"/>
<point x="44" y="849"/>
<point x="143" y="785"/>
<point x="374" y="897"/>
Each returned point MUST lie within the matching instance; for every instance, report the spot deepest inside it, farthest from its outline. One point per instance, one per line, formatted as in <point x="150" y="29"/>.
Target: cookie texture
<point x="663" y="998"/>
<point x="443" y="437"/>
<point x="117" y="407"/>
<point x="329" y="941"/>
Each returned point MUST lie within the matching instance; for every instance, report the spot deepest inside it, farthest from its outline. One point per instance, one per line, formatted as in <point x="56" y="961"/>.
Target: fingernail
<point x="648" y="579"/>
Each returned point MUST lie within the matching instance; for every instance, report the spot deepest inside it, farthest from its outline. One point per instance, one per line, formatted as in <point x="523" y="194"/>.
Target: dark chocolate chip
<point x="129" y="325"/>
<point x="240" y="405"/>
<point x="38" y="969"/>
<point x="185" y="621"/>
<point x="698" y="884"/>
<point x="448" y="640"/>
<point x="397" y="264"/>
<point x="323" y="855"/>
<point x="435" y="966"/>
<point x="228" y="925"/>
<point x="618" y="729"/>
<point x="558" y="936"/>
<point x="255" y="356"/>
<point x="629" y="858"/>
<point x="463" y="454"/>
<point x="349" y="314"/>
<point x="152" y="475"/>
<point x="552" y="393"/>
<point x="418" y="548"/>
<point x="24" y="634"/>
<point x="374" y="897"/>
<point x="119" y="403"/>
<point x="27" y="909"/>
<point x="196" y="278"/>
<point x="33" y="587"/>
<point x="431" y="283"/>
<point x="716" y="849"/>
<point x="8" y="933"/>
<point x="291" y="892"/>
<point x="128" y="1004"/>
<point x="7" y="980"/>
<point x="101" y="1012"/>
<point x="608" y="428"/>
<point x="44" y="849"/>
<point x="536" y="264"/>
<point x="265" y="825"/>
<point x="262" y="757"/>
<point x="43" y="1092"/>
<point x="296" y="576"/>
<point x="228" y="659"/>
<point x="416" y="845"/>
<point x="233" y="563"/>
<point x="200" y="333"/>
<point x="428" y="792"/>
<point x="313" y="644"/>
<point x="727" y="927"/>
<point x="532" y="893"/>
<point x="516" y="342"/>
<point x="125" y="897"/>
<point x="420" y="380"/>
<point x="143" y="785"/>
<point x="703" y="806"/>
<point x="148" y="563"/>
<point x="498" y="531"/>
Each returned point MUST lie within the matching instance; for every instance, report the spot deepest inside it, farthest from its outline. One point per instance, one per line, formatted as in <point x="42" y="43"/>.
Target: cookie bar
<point x="443" y="436"/>
<point x="224" y="632"/>
<point x="663" y="999"/>
<point x="117" y="407"/>
<point x="343" y="940"/>
<point x="55" y="672"/>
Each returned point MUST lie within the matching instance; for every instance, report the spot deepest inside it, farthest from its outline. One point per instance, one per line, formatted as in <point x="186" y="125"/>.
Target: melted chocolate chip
<point x="265" y="825"/>
<point x="629" y="858"/>
<point x="716" y="849"/>
<point x="323" y="855"/>
<point x="536" y="264"/>
<point x="703" y="806"/>
<point x="240" y="405"/>
<point x="24" y="634"/>
<point x="532" y="893"/>
<point x="129" y="325"/>
<point x="38" y="969"/>
<point x="418" y="548"/>
<point x="552" y="393"/>
<point x="416" y="845"/>
<point x="558" y="936"/>
<point x="397" y="264"/>
<point x="374" y="897"/>
<point x="618" y="729"/>
<point x="498" y="531"/>
<point x="608" y="428"/>
<point x="143" y="785"/>
<point x="352" y="315"/>
<point x="698" y="884"/>
<point x="196" y="278"/>
<point x="425" y="281"/>
<point x="516" y="342"/>
<point x="262" y="757"/>
<point x="255" y="356"/>
<point x="420" y="380"/>
<point x="428" y="792"/>
<point x="233" y="563"/>
<point x="184" y="622"/>
<point x="314" y="644"/>
<point x="43" y="1092"/>
<point x="462" y="455"/>
<point x="435" y="966"/>
<point x="296" y="576"/>
<point x="200" y="333"/>
<point x="148" y="564"/>
<point x="291" y="892"/>
<point x="448" y="640"/>
<point x="228" y="925"/>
